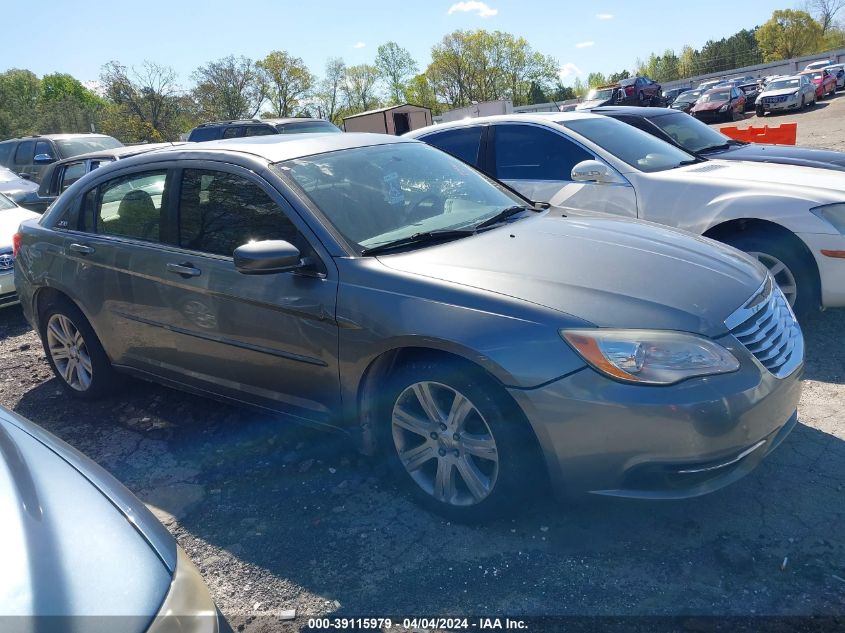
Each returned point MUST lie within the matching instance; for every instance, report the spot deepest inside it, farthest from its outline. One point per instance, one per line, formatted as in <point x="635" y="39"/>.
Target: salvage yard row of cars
<point x="475" y="302"/>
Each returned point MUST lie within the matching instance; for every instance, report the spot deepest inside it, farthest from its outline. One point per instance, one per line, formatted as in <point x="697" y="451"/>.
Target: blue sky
<point x="587" y="35"/>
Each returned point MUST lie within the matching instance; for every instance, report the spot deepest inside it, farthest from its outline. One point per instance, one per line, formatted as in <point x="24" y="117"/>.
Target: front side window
<point x="463" y="143"/>
<point x="309" y="127"/>
<point x="232" y="132"/>
<point x="378" y="194"/>
<point x="259" y="130"/>
<point x="638" y="149"/>
<point x="131" y="206"/>
<point x="43" y="147"/>
<point x="219" y="211"/>
<point x="530" y="152"/>
<point x="71" y="173"/>
<point x="201" y="134"/>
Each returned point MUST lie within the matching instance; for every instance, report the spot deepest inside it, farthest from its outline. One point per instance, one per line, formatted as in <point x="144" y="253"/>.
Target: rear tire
<point x="788" y="266"/>
<point x="74" y="351"/>
<point x="455" y="441"/>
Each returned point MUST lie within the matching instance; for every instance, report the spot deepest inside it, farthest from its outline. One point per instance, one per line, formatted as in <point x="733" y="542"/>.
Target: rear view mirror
<point x="267" y="257"/>
<point x="592" y="171"/>
<point x="43" y="159"/>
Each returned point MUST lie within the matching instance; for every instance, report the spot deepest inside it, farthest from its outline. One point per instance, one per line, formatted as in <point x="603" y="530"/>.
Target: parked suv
<point x="260" y="127"/>
<point x="29" y="155"/>
<point x="381" y="287"/>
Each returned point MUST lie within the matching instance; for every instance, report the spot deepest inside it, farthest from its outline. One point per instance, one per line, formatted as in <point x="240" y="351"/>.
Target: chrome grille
<point x="7" y="263"/>
<point x="767" y="328"/>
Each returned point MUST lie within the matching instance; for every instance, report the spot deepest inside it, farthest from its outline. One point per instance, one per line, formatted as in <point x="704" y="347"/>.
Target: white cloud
<point x="568" y="70"/>
<point x="482" y="8"/>
<point x="604" y="16"/>
<point x="359" y="45"/>
<point x="585" y="44"/>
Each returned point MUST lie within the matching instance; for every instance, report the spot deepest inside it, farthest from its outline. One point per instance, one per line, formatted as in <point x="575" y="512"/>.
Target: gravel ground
<point x="278" y="517"/>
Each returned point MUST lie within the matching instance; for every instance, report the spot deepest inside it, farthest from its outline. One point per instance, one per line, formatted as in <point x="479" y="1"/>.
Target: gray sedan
<point x="382" y="288"/>
<point x="80" y="552"/>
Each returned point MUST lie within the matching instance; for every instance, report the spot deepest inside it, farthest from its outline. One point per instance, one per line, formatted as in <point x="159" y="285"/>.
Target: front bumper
<point x="711" y="116"/>
<point x="605" y="437"/>
<point x="831" y="269"/>
<point x="8" y="296"/>
<point x="789" y="104"/>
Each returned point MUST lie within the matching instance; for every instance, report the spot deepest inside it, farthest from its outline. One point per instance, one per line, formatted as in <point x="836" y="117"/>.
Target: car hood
<point x="813" y="185"/>
<point x="18" y="188"/>
<point x="10" y="220"/>
<point x="611" y="272"/>
<point x="709" y="105"/>
<point x="786" y="154"/>
<point x="67" y="549"/>
<point x="778" y="93"/>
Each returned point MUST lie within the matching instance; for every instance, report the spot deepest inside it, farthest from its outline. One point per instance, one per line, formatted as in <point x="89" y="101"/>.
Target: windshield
<point x="784" y="84"/>
<point x="689" y="132"/>
<point x="5" y="203"/>
<point x="379" y="194"/>
<point x="7" y="175"/>
<point x="308" y="126"/>
<point x="816" y="76"/>
<point x="75" y="146"/>
<point x="639" y="149"/>
<point x="604" y="93"/>
<point x="689" y="96"/>
<point x="717" y="95"/>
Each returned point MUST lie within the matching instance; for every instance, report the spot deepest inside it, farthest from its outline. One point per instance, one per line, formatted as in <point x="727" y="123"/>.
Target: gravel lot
<point x="278" y="517"/>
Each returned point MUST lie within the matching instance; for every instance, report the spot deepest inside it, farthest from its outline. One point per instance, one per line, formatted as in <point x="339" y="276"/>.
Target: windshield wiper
<point x="693" y="161"/>
<point x="501" y="216"/>
<point x="715" y="148"/>
<point x="426" y="237"/>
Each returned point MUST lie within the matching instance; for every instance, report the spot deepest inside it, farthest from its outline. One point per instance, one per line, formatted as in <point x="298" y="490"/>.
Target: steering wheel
<point x="413" y="210"/>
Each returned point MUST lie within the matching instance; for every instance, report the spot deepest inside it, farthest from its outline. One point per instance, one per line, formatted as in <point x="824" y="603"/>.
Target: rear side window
<point x="131" y="206"/>
<point x="6" y="152"/>
<point x="259" y="130"/>
<point x="219" y="211"/>
<point x="233" y="132"/>
<point x="463" y="143"/>
<point x="528" y="152"/>
<point x="205" y="134"/>
<point x="23" y="155"/>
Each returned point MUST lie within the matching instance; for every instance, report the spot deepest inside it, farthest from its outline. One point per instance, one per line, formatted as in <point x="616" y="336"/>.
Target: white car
<point x="822" y="63"/>
<point x="11" y="216"/>
<point x="794" y="92"/>
<point x="838" y="71"/>
<point x="792" y="219"/>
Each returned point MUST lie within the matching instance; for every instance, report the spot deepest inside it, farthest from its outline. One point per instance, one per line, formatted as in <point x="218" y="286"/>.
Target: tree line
<point x="788" y="33"/>
<point x="147" y="102"/>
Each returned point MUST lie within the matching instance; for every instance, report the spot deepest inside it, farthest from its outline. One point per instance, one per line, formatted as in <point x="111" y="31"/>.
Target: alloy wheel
<point x="445" y="444"/>
<point x="69" y="352"/>
<point x="781" y="274"/>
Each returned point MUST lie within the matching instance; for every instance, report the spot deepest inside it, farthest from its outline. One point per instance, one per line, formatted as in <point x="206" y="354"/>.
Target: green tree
<point x="67" y="106"/>
<point x="615" y="77"/>
<point x="789" y="33"/>
<point x="289" y="81"/>
<point x="20" y="92"/>
<point x="579" y="88"/>
<point x="359" y="87"/>
<point x="329" y="94"/>
<point x="420" y="91"/>
<point x="229" y="88"/>
<point x="396" y="66"/>
<point x="596" y="79"/>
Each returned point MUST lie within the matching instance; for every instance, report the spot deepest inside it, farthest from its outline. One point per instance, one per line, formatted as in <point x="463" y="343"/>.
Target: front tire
<point x="455" y="441"/>
<point x="74" y="352"/>
<point x="789" y="267"/>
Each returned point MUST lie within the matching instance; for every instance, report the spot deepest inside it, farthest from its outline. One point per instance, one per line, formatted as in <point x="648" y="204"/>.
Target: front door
<point x="538" y="162"/>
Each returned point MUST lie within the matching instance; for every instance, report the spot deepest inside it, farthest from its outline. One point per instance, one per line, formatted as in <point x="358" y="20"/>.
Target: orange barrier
<point x="781" y="135"/>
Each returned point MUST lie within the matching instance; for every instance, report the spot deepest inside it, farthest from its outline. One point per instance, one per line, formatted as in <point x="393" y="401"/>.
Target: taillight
<point x="16" y="244"/>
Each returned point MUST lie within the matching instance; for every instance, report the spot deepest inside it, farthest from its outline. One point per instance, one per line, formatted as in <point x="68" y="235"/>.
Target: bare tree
<point x="330" y="90"/>
<point x="149" y="94"/>
<point x="825" y="12"/>
<point x="360" y="87"/>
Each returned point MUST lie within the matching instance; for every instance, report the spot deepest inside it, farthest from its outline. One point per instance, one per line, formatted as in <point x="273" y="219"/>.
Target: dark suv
<point x="27" y="156"/>
<point x="260" y="127"/>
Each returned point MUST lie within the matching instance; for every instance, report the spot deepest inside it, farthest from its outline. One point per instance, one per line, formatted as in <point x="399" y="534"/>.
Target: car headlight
<point x="724" y="108"/>
<point x="650" y="357"/>
<point x="188" y="607"/>
<point x="833" y="214"/>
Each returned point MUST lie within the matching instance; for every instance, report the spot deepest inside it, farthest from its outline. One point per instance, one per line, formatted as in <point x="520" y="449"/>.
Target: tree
<point x="144" y="104"/>
<point x="328" y="97"/>
<point x="420" y="91"/>
<point x="536" y="94"/>
<point x="825" y="12"/>
<point x="616" y="77"/>
<point x="67" y="106"/>
<point x="789" y="33"/>
<point x="396" y="66"/>
<point x="579" y="88"/>
<point x="229" y="88"/>
<point x="289" y="81"/>
<point x="20" y="92"/>
<point x="359" y="87"/>
<point x="596" y="79"/>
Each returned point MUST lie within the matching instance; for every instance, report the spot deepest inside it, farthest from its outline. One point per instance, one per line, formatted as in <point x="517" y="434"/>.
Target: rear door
<point x="268" y="339"/>
<point x="537" y="161"/>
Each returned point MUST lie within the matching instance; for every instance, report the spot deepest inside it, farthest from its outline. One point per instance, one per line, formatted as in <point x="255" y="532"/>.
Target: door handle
<point x="185" y="269"/>
<point x="82" y="249"/>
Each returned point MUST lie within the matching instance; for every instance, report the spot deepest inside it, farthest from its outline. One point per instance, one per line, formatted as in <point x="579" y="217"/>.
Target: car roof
<point x="119" y="152"/>
<point x="276" y="121"/>
<point x="56" y="137"/>
<point x="276" y="148"/>
<point x="646" y="113"/>
<point x="517" y="117"/>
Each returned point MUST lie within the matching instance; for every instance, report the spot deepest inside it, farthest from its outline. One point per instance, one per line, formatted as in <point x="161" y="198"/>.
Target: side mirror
<point x="43" y="159"/>
<point x="267" y="257"/>
<point x="25" y="176"/>
<point x="592" y="171"/>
